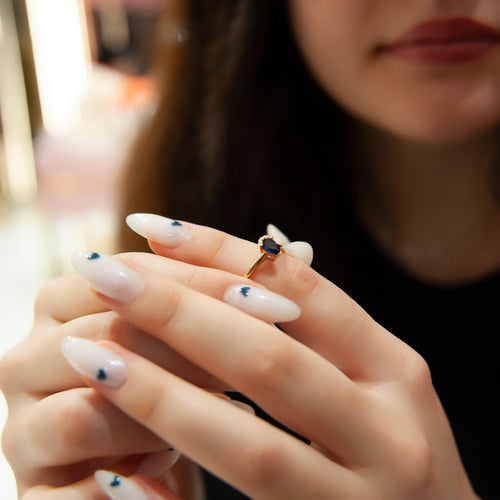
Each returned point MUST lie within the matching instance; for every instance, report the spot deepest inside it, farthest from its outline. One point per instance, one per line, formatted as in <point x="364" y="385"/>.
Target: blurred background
<point x="75" y="86"/>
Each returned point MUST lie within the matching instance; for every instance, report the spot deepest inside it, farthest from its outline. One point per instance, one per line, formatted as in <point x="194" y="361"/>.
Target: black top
<point x="455" y="329"/>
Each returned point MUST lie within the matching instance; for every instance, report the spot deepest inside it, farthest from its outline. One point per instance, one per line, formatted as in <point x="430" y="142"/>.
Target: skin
<point x="368" y="377"/>
<point x="364" y="398"/>
<point x="425" y="104"/>
<point x="425" y="137"/>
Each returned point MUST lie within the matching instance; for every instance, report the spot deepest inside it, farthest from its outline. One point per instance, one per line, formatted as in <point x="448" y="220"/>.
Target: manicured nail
<point x="95" y="361"/>
<point x="108" y="276"/>
<point x="167" y="232"/>
<point x="300" y="250"/>
<point x="119" y="487"/>
<point x="154" y="465"/>
<point x="278" y="236"/>
<point x="261" y="303"/>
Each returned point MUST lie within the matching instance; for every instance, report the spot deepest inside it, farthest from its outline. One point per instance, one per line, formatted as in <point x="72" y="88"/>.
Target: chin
<point x="433" y="109"/>
<point x="433" y="121"/>
<point x="443" y="129"/>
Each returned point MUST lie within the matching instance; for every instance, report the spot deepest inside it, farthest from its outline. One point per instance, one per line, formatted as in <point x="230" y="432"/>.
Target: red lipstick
<point x="445" y="41"/>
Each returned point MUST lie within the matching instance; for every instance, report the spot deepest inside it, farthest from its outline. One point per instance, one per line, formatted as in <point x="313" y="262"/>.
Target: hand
<point x="59" y="431"/>
<point x="361" y="396"/>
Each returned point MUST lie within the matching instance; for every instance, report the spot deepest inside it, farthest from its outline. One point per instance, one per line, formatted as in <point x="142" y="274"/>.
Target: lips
<point x="445" y="41"/>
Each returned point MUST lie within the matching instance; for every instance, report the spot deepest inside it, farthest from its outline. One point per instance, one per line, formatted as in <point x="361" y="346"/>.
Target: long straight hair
<point x="242" y="134"/>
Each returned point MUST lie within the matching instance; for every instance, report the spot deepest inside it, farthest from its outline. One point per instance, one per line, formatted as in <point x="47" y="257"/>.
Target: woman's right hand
<point x="59" y="431"/>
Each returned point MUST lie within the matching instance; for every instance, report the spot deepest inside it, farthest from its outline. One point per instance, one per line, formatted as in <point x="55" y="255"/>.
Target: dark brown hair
<point x="242" y="135"/>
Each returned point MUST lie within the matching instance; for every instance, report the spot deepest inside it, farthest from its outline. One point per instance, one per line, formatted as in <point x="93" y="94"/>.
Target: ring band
<point x="269" y="250"/>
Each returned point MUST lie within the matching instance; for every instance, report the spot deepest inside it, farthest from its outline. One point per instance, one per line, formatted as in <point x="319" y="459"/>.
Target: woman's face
<point x="428" y="70"/>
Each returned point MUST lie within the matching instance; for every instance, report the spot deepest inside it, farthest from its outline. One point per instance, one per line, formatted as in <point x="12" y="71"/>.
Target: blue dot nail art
<point x="176" y="223"/>
<point x="117" y="481"/>
<point x="245" y="290"/>
<point x="94" y="256"/>
<point x="101" y="375"/>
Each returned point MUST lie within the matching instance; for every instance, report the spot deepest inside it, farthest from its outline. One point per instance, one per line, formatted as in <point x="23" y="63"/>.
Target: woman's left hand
<point x="362" y="397"/>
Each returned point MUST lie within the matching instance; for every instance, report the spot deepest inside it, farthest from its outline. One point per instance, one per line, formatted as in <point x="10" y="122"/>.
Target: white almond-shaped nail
<point x="95" y="361"/>
<point x="167" y="232"/>
<point x="154" y="465"/>
<point x="261" y="303"/>
<point x="301" y="250"/>
<point x="277" y="235"/>
<point x="119" y="487"/>
<point x="108" y="276"/>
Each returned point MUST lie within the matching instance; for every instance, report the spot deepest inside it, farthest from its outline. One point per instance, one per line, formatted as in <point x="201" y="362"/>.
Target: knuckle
<point x="44" y="295"/>
<point x="300" y="279"/>
<point x="162" y="317"/>
<point x="67" y="424"/>
<point x="262" y="465"/>
<point x="118" y="329"/>
<point x="101" y="326"/>
<point x="41" y="297"/>
<point x="76" y="429"/>
<point x="151" y="408"/>
<point x="10" y="444"/>
<point x="415" y="470"/>
<point x="274" y="363"/>
<point x="216" y="246"/>
<point x="417" y="372"/>
<point x="11" y="363"/>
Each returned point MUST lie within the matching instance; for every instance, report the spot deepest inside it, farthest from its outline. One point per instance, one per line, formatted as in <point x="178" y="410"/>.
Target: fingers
<point x="331" y="323"/>
<point x="136" y="487"/>
<point x="111" y="278"/>
<point x="104" y="485"/>
<point x="244" y="352"/>
<point x="66" y="298"/>
<point x="244" y="450"/>
<point x="72" y="427"/>
<point x="54" y="374"/>
<point x="84" y="489"/>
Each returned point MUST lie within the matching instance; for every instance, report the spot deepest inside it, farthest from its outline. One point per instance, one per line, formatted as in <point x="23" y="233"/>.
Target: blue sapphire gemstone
<point x="101" y="374"/>
<point x="176" y="223"/>
<point x="244" y="290"/>
<point x="270" y="246"/>
<point x="93" y="256"/>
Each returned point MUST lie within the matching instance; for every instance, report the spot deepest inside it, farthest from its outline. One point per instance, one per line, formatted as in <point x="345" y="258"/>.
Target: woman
<point x="365" y="128"/>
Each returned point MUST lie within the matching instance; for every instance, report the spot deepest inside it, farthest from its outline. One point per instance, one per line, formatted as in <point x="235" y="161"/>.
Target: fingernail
<point x="261" y="303"/>
<point x="95" y="361"/>
<point x="300" y="250"/>
<point x="108" y="276"/>
<point x="278" y="236"/>
<point x="167" y="232"/>
<point x="154" y="465"/>
<point x="119" y="487"/>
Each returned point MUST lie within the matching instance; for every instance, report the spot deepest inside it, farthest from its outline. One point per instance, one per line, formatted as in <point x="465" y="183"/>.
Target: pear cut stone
<point x="269" y="246"/>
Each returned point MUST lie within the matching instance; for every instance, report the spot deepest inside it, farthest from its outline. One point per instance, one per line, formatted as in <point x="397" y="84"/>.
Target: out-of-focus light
<point x="62" y="60"/>
<point x="17" y="173"/>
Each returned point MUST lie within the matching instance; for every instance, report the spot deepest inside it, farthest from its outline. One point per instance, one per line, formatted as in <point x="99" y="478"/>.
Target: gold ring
<point x="269" y="250"/>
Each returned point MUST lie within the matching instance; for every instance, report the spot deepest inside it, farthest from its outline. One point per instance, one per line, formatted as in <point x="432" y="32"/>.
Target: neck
<point x="431" y="208"/>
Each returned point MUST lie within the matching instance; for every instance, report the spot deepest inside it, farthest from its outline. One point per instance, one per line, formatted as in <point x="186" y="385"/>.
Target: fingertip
<point x="119" y="487"/>
<point x="134" y="487"/>
<point x="167" y="232"/>
<point x="155" y="465"/>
